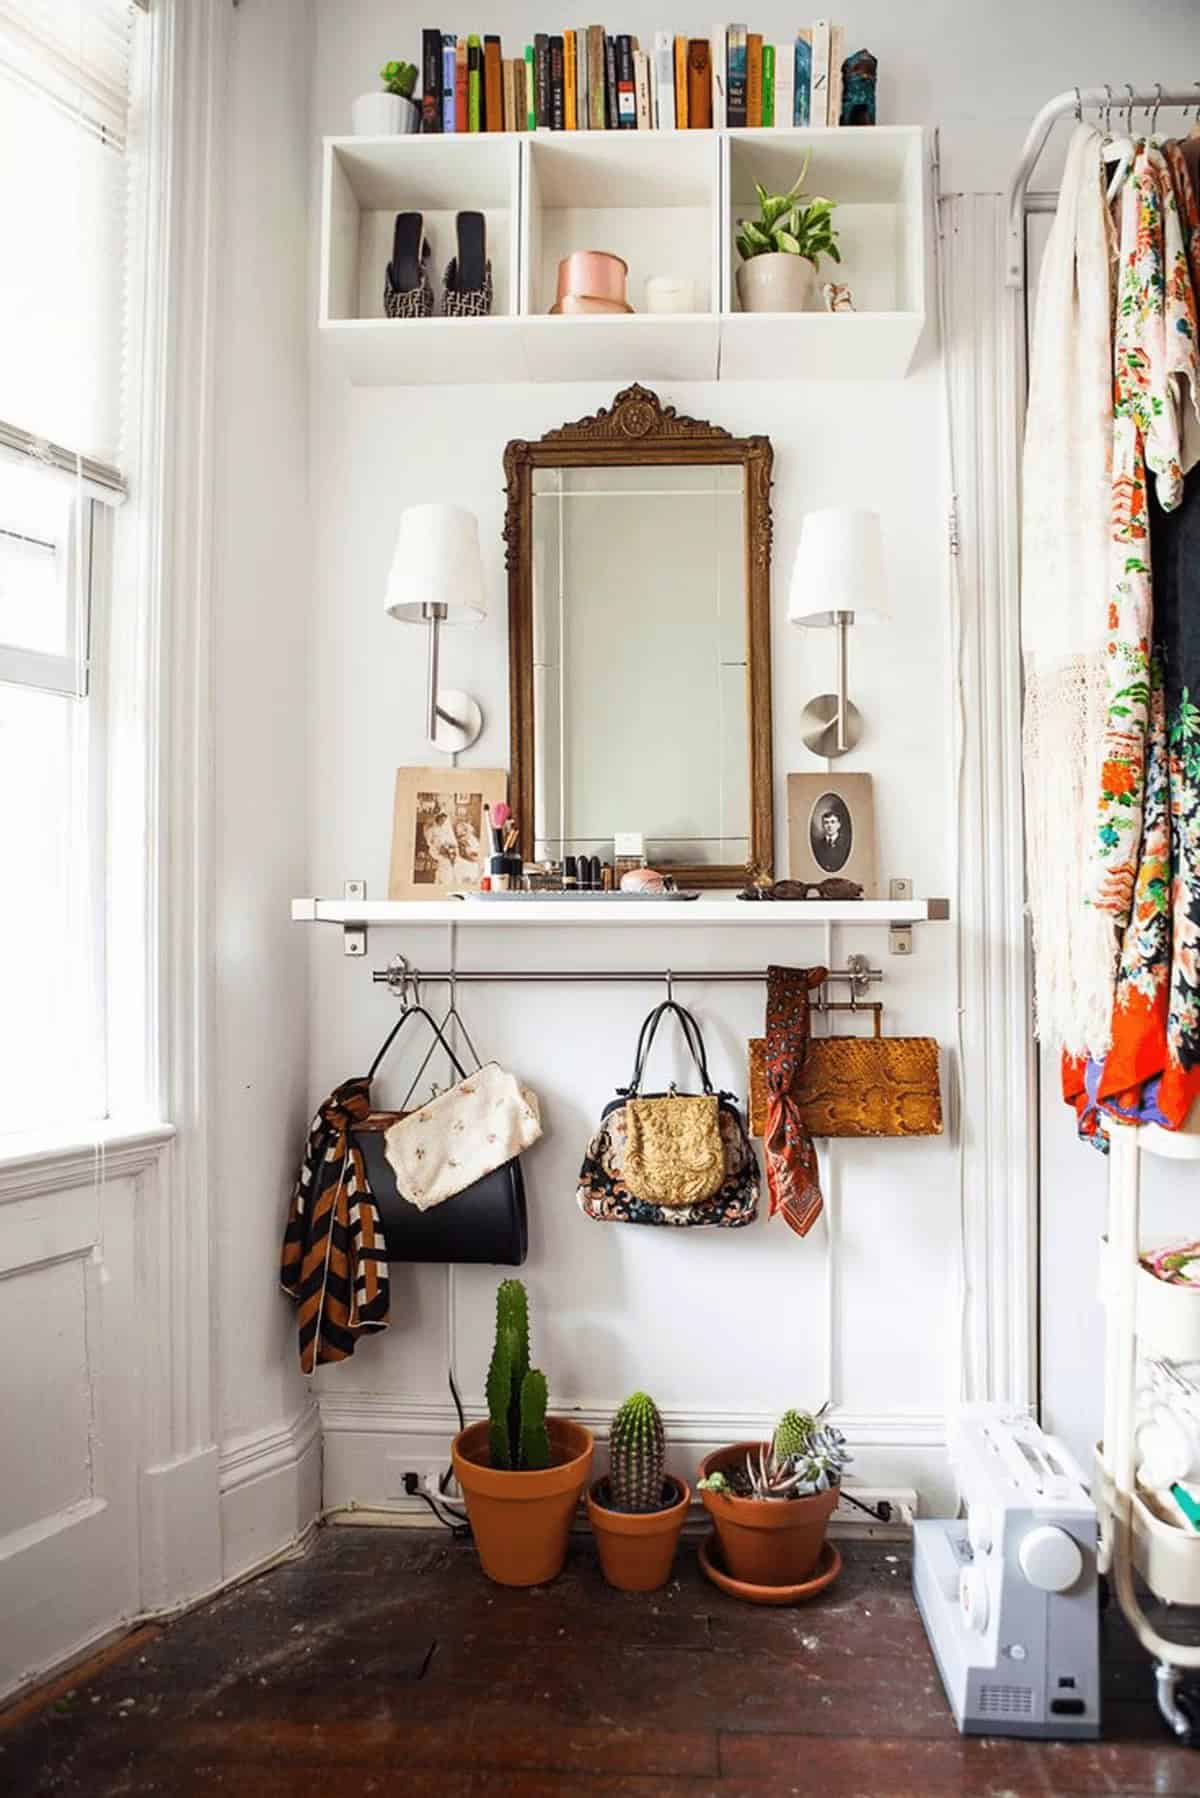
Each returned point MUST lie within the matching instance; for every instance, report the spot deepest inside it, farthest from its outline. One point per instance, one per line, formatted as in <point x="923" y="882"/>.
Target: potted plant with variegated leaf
<point x="391" y="111"/>
<point x="637" y="1513"/>
<point x="780" y="249"/>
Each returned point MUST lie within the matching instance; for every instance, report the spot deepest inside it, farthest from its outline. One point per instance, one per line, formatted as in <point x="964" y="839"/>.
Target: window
<point x="65" y="76"/>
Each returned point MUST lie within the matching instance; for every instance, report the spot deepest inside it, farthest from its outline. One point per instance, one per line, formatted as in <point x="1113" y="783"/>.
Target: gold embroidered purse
<point x="673" y="1149"/>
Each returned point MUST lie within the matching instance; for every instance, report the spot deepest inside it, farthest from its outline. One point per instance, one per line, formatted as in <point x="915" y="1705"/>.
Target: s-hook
<point x="1129" y="110"/>
<point x="1157" y="104"/>
<point x="670" y="979"/>
<point x="1107" y="109"/>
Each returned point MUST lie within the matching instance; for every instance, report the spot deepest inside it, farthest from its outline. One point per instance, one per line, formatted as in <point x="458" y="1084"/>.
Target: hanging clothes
<point x="1066" y="498"/>
<point x="790" y="1155"/>
<point x="1151" y="1073"/>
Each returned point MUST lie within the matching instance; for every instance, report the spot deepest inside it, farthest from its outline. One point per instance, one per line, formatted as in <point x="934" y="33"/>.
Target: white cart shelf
<point x="668" y="202"/>
<point x="359" y="913"/>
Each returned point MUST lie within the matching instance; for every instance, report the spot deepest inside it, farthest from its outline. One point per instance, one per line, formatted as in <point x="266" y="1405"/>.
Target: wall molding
<point x="259" y="1453"/>
<point x="113" y="1153"/>
<point x="996" y="1100"/>
<point x="270" y="1492"/>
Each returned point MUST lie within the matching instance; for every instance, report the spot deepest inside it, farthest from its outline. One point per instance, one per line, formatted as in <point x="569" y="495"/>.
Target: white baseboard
<point x="180" y="1531"/>
<point x="371" y="1439"/>
<point x="270" y="1491"/>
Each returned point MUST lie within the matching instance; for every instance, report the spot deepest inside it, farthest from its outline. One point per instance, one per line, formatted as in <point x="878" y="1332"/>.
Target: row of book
<point x="590" y="80"/>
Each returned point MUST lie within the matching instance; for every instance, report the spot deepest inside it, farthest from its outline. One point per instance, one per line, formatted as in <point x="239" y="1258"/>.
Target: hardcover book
<point x="474" y="84"/>
<point x="541" y="58"/>
<point x="597" y="107"/>
<point x="520" y="97"/>
<point x="449" y="55"/>
<point x="802" y="98"/>
<point x="785" y="86"/>
<point x="626" y="92"/>
<point x="570" y="113"/>
<point x="818" y="105"/>
<point x="837" y="52"/>
<point x="718" y="55"/>
<point x="460" y="85"/>
<point x="664" y="79"/>
<point x="530" y="90"/>
<point x="699" y="85"/>
<point x="431" y="81"/>
<point x="583" y="97"/>
<point x="641" y="89"/>
<point x="510" y="94"/>
<point x="754" y="76"/>
<point x="735" y="80"/>
<point x="610" y="83"/>
<point x="558" y="115"/>
<point x="768" y="84"/>
<point x="681" y="84"/>
<point x="493" y="85"/>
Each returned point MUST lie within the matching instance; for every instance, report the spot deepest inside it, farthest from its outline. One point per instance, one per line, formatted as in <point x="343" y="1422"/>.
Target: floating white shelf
<point x="703" y="911"/>
<point x="668" y="202"/>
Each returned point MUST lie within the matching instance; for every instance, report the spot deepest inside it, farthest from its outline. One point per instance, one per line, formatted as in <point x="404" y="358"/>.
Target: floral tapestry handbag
<point x="606" y="1193"/>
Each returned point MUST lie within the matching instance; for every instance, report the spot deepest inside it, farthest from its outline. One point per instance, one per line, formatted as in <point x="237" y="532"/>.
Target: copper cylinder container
<point x="591" y="281"/>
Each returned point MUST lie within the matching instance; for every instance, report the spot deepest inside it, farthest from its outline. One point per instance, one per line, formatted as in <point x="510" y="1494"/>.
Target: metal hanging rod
<point x="1122" y="105"/>
<point x="401" y="976"/>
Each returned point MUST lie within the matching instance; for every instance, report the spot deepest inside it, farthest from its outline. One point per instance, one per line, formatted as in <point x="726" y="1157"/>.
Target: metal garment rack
<point x="1122" y="105"/>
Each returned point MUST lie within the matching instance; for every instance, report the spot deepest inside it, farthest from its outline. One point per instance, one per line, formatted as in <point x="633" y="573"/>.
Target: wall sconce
<point x="838" y="567"/>
<point x="436" y="579"/>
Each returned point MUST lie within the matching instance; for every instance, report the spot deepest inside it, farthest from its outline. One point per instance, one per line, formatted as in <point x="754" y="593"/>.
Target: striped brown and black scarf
<point x="334" y="1257"/>
<point x="793" y="1175"/>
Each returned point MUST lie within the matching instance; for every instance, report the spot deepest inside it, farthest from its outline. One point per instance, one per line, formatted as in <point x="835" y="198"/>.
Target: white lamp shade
<point x="437" y="562"/>
<point x="838" y="566"/>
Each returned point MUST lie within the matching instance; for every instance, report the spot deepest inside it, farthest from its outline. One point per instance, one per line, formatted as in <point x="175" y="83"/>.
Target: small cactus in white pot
<point x="637" y="1513"/>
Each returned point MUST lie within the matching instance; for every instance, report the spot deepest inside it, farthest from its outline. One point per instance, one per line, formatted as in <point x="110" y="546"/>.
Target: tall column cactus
<point x="516" y="1393"/>
<point x="637" y="1452"/>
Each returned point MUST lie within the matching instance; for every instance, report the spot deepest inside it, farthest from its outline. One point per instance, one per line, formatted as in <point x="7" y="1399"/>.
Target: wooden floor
<point x="384" y="1664"/>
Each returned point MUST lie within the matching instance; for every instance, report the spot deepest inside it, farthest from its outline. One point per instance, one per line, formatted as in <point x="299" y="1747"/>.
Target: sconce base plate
<point x="459" y="721"/>
<point x="818" y="726"/>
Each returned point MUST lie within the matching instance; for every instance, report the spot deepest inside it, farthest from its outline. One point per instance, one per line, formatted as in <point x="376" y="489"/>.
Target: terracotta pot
<point x="637" y="1549"/>
<point x="778" y="282"/>
<point x="765" y="1541"/>
<point x="521" y="1521"/>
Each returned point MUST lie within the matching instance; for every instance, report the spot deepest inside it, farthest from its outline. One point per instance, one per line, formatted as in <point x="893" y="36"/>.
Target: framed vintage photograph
<point x="439" y="831"/>
<point x="831" y="829"/>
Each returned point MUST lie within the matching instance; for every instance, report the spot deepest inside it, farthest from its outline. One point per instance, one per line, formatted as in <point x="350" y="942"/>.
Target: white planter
<point x="384" y="115"/>
<point x="778" y="283"/>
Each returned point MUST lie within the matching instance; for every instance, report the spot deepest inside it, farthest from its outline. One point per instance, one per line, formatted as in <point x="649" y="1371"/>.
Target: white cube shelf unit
<point x="668" y="203"/>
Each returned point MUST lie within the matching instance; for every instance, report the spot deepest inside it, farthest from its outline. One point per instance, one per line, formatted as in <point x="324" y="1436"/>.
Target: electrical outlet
<point x="408" y="1474"/>
<point x="848" y="1520"/>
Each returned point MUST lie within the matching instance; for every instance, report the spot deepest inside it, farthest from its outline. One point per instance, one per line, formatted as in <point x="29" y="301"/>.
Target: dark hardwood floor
<point x="385" y="1664"/>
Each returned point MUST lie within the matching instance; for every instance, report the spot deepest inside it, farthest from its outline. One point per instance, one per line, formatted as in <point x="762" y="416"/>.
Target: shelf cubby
<point x="668" y="203"/>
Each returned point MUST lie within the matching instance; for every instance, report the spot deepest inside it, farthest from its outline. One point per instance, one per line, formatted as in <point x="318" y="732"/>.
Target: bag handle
<point x="692" y="1036"/>
<point x="416" y="1011"/>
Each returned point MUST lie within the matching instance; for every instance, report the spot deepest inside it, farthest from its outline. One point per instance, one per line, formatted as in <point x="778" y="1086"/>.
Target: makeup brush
<point x="494" y="822"/>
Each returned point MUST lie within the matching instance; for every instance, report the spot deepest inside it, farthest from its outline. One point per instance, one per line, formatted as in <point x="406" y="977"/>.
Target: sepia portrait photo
<point x="831" y="829"/>
<point x="439" y="829"/>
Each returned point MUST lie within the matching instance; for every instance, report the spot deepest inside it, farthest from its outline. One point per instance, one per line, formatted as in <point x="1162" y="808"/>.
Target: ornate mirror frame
<point x="638" y="430"/>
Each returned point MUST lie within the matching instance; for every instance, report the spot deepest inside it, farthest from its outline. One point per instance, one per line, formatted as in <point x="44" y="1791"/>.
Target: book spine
<point x="699" y="84"/>
<point x="583" y="92"/>
<point x="626" y="92"/>
<point x="510" y="94"/>
<point x="431" y="81"/>
<point x="802" y="92"/>
<point x="557" y="96"/>
<point x="449" y="53"/>
<point x="570" y="104"/>
<point x="718" y="52"/>
<point x="681" y="83"/>
<point x="460" y="85"/>
<point x="474" y="84"/>
<point x="664" y="79"/>
<point x="818" y="106"/>
<point x="519" y="101"/>
<point x="768" y="84"/>
<point x="541" y="54"/>
<point x="530" y="90"/>
<point x="493" y="85"/>
<point x="785" y="86"/>
<point x="735" y="79"/>
<point x="597" y="81"/>
<point x="837" y="54"/>
<point x="754" y="50"/>
<point x="610" y="83"/>
<point x="641" y="90"/>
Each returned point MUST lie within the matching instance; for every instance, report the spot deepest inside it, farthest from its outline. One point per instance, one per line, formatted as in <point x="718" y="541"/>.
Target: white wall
<point x="719" y="1328"/>
<point x="262" y="738"/>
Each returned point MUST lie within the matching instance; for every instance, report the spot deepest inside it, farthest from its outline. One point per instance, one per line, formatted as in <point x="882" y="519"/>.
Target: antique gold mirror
<point x="639" y="576"/>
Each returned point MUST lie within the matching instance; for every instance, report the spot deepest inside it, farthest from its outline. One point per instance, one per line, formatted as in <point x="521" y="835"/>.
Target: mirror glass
<point x="640" y="662"/>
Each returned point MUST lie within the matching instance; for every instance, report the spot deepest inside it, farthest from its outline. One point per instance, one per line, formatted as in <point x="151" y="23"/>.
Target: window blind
<point x="65" y="76"/>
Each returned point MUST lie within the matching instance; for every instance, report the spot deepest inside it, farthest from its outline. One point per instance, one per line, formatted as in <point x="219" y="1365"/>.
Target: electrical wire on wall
<point x="962" y="1351"/>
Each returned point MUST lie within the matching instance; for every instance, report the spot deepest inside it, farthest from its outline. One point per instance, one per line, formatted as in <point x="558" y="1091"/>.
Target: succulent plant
<point x="804" y="1457"/>
<point x="789" y="224"/>
<point x="516" y="1392"/>
<point x="399" y="78"/>
<point x="637" y="1450"/>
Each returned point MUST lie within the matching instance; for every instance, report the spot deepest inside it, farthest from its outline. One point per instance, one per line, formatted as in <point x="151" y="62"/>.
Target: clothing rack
<point x="401" y="976"/>
<point x="1108" y="103"/>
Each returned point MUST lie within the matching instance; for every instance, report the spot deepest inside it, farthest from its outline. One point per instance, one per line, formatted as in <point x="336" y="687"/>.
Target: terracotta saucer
<point x="829" y="1565"/>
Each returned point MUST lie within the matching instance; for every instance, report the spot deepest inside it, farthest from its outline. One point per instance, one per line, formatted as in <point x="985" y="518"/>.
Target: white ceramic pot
<point x="777" y="282"/>
<point x="384" y="115"/>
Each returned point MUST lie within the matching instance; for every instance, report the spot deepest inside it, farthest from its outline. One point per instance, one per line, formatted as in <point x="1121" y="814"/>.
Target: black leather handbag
<point x="486" y="1222"/>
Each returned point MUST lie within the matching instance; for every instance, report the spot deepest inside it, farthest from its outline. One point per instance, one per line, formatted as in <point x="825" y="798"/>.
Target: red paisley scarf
<point x="793" y="1176"/>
